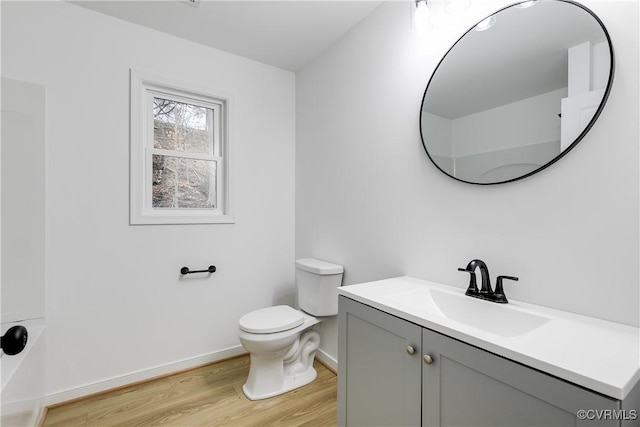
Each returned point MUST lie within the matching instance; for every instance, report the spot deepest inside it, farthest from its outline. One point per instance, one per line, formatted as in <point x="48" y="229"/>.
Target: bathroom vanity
<point x="413" y="352"/>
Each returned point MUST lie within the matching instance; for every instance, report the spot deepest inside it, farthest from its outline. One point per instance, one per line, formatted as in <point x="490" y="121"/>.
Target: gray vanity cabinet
<point x="467" y="386"/>
<point x="386" y="380"/>
<point x="379" y="380"/>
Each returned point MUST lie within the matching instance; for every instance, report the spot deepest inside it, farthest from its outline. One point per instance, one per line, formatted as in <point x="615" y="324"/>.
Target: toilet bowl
<point x="280" y="361"/>
<point x="281" y="340"/>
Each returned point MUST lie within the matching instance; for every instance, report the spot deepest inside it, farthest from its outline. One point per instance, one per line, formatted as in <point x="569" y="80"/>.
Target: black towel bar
<point x="185" y="270"/>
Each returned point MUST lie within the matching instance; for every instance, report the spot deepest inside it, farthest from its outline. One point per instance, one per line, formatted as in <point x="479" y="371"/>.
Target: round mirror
<point x="517" y="91"/>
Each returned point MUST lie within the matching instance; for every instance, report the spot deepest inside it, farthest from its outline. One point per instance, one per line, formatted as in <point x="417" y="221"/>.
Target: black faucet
<point x="485" y="292"/>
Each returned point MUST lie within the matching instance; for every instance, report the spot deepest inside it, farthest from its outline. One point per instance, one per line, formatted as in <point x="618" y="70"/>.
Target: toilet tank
<point x="317" y="282"/>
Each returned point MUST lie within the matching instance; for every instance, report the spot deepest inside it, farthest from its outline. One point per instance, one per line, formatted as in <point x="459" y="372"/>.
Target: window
<point x="179" y="154"/>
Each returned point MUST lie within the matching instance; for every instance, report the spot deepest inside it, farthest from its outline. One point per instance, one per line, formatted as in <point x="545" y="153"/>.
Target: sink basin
<point x="504" y="320"/>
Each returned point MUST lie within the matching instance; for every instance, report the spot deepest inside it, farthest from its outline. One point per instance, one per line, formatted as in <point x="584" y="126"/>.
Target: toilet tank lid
<point x="317" y="266"/>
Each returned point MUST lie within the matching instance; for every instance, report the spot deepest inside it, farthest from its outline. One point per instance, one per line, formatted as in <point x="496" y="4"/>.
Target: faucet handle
<point x="499" y="292"/>
<point x="473" y="286"/>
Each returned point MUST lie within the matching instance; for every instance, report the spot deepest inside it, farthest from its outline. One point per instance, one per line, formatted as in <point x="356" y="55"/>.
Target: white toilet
<point x="281" y="339"/>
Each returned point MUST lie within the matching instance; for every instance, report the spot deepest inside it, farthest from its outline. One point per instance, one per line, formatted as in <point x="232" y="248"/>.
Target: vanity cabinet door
<point x="379" y="363"/>
<point x="468" y="386"/>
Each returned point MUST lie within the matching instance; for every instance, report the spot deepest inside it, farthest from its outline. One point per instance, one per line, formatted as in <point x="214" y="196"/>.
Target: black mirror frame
<point x="580" y="136"/>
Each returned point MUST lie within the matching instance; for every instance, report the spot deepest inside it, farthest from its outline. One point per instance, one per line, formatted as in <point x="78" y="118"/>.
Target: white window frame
<point x="144" y="88"/>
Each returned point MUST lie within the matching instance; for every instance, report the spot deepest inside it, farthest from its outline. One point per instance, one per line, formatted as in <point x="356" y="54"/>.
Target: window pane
<point x="183" y="183"/>
<point x="182" y="127"/>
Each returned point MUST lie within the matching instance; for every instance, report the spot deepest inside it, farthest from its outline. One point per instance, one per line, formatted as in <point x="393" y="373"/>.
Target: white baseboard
<point x="145" y="374"/>
<point x="328" y="360"/>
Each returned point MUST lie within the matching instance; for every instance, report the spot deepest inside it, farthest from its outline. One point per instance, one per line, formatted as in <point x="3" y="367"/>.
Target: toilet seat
<point x="271" y="319"/>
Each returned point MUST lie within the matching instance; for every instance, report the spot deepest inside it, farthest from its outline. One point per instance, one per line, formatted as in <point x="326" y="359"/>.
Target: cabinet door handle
<point x="428" y="359"/>
<point x="410" y="350"/>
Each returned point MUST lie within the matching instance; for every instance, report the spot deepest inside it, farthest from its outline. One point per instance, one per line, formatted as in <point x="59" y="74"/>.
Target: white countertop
<point x="596" y="354"/>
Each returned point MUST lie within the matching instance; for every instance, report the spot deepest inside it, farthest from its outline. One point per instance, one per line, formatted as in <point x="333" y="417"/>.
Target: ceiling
<point x="286" y="34"/>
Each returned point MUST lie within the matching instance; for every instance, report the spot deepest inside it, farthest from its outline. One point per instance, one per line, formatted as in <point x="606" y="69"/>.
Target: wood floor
<point x="207" y="396"/>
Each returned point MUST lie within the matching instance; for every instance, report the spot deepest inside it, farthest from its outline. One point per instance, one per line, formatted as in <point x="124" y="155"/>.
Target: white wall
<point x="501" y="137"/>
<point x="23" y="248"/>
<point x="437" y="134"/>
<point x="528" y="121"/>
<point x="368" y="197"/>
<point x="117" y="309"/>
<point x="23" y="205"/>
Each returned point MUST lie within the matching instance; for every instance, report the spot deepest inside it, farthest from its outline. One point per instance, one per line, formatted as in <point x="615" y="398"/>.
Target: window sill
<point x="180" y="217"/>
